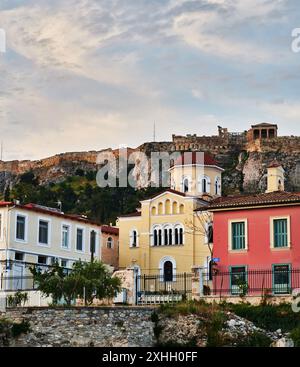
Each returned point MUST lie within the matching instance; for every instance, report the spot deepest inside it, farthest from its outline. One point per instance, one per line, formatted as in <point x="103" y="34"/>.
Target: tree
<point x="87" y="281"/>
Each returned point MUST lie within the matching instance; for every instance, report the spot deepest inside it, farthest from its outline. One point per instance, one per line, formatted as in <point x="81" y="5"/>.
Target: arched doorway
<point x="168" y="271"/>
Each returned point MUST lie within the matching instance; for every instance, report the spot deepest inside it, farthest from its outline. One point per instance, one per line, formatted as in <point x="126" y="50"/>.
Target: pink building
<point x="256" y="240"/>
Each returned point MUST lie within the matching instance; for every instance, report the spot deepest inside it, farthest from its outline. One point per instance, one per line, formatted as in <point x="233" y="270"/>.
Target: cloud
<point x="88" y="74"/>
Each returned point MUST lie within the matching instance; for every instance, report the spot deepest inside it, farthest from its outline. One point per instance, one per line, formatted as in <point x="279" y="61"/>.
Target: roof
<point x="50" y="211"/>
<point x="135" y="214"/>
<point x="172" y="191"/>
<point x="274" y="164"/>
<point x="110" y="230"/>
<point x="264" y="124"/>
<point x="269" y="199"/>
<point x="188" y="158"/>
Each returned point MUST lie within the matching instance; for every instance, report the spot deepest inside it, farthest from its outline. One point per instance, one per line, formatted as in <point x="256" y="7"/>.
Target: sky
<point x="91" y="74"/>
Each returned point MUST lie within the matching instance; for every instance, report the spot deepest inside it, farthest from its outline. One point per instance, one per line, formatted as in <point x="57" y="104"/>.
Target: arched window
<point x="168" y="271"/>
<point x="170" y="236"/>
<point x="153" y="210"/>
<point x="160" y="208"/>
<point x="181" y="236"/>
<point x="134" y="242"/>
<point x="166" y="242"/>
<point x="176" y="236"/>
<point x="210" y="270"/>
<point x="109" y="242"/>
<point x="155" y="237"/>
<point x="181" y="209"/>
<point x="168" y="207"/>
<point x="204" y="184"/>
<point x="159" y="237"/>
<point x="217" y="186"/>
<point x="175" y="207"/>
<point x="185" y="185"/>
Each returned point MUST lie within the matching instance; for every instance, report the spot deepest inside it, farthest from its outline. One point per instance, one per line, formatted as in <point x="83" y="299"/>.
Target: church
<point x="167" y="235"/>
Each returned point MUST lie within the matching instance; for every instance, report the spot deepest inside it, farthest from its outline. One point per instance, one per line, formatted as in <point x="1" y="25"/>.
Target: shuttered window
<point x="238" y="235"/>
<point x="280" y="233"/>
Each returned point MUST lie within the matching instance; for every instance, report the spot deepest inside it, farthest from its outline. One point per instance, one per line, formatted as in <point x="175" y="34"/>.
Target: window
<point x="168" y="271"/>
<point x="238" y="279"/>
<point x="281" y="279"/>
<point x="134" y="238"/>
<point x="155" y="237"/>
<point x="79" y="239"/>
<point x="42" y="260"/>
<point x="109" y="243"/>
<point x="43" y="232"/>
<point x="19" y="256"/>
<point x="65" y="236"/>
<point x="20" y="228"/>
<point x="217" y="186"/>
<point x="185" y="185"/>
<point x="280" y="232"/>
<point x="210" y="233"/>
<point x="238" y="236"/>
<point x="64" y="263"/>
<point x="204" y="185"/>
<point x="180" y="236"/>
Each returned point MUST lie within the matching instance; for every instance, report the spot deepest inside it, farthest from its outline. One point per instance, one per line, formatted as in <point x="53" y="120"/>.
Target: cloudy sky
<point x="90" y="74"/>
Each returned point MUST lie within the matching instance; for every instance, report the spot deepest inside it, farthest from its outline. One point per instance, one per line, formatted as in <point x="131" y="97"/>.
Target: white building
<point x="33" y="234"/>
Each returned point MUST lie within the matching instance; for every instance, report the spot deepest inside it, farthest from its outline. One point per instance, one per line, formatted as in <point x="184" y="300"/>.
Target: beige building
<point x="166" y="235"/>
<point x="33" y="234"/>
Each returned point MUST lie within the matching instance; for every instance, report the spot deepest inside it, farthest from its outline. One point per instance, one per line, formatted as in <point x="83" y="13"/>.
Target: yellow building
<point x="166" y="236"/>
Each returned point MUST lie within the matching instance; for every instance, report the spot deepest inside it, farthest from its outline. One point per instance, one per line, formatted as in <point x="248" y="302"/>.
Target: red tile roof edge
<point x="32" y="207"/>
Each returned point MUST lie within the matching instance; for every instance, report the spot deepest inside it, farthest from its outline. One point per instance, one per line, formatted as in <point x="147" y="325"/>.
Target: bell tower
<point x="197" y="174"/>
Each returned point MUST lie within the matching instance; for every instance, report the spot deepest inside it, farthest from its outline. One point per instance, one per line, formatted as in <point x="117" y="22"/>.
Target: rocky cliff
<point x="244" y="163"/>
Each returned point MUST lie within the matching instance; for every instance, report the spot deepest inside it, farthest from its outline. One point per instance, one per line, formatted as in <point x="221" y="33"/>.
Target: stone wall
<point x="84" y="327"/>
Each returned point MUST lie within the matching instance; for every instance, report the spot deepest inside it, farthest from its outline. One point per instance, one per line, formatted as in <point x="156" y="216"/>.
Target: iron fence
<point x="157" y="288"/>
<point x="279" y="281"/>
<point x="16" y="275"/>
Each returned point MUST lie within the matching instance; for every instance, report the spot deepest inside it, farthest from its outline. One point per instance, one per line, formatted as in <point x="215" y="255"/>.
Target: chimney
<point x="275" y="177"/>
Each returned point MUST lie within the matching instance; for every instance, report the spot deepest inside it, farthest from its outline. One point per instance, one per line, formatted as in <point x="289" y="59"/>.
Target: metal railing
<point x="158" y="288"/>
<point x="252" y="282"/>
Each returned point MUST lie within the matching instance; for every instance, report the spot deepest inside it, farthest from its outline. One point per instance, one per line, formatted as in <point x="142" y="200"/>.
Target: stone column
<point x="197" y="282"/>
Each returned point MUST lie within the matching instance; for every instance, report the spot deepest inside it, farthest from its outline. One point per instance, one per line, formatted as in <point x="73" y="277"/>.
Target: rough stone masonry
<point x="86" y="327"/>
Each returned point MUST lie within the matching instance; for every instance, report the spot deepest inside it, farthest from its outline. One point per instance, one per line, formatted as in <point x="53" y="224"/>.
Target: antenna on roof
<point x="1" y="154"/>
<point x="154" y="132"/>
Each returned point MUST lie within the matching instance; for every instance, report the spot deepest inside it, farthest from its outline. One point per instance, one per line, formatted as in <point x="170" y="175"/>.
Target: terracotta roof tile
<point x="195" y="158"/>
<point x="110" y="230"/>
<point x="272" y="198"/>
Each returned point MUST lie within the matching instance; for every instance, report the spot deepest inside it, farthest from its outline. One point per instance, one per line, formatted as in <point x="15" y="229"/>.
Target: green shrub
<point x="214" y="327"/>
<point x="22" y="328"/>
<point x="295" y="335"/>
<point x="255" y="339"/>
<point x="268" y="316"/>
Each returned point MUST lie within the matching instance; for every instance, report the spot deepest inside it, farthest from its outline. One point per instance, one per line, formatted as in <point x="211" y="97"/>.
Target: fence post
<point x="201" y="284"/>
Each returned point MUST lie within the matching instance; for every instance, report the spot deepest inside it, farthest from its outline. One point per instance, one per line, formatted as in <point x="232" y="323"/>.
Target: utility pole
<point x="93" y="245"/>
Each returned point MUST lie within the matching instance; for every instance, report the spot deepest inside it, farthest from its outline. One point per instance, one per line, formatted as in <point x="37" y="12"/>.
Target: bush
<point x="18" y="299"/>
<point x="268" y="316"/>
<point x="255" y="339"/>
<point x="295" y="335"/>
<point x="22" y="328"/>
<point x="87" y="281"/>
